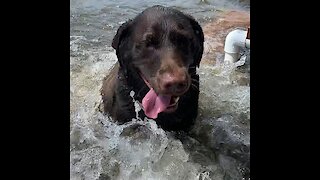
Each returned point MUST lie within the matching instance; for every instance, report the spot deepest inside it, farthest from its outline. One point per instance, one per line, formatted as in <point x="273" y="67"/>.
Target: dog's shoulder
<point x="108" y="89"/>
<point x="115" y="96"/>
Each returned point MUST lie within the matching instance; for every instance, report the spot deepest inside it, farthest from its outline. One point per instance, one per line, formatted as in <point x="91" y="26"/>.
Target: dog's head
<point x="163" y="46"/>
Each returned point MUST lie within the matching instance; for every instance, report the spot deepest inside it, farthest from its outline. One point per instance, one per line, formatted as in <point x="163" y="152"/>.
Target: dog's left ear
<point x="198" y="44"/>
<point x="121" y="43"/>
<point x="121" y="33"/>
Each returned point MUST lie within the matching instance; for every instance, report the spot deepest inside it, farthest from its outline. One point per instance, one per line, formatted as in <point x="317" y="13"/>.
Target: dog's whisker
<point x="193" y="72"/>
<point x="194" y="81"/>
<point x="194" y="86"/>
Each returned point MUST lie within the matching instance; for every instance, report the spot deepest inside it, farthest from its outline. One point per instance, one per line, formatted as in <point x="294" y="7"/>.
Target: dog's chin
<point x="174" y="101"/>
<point x="173" y="106"/>
<point x="171" y="109"/>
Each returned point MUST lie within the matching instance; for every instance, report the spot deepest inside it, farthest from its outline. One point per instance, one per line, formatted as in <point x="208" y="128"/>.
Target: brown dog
<point x="158" y="52"/>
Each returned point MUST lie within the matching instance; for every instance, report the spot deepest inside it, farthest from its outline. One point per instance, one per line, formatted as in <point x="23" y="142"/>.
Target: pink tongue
<point x="154" y="104"/>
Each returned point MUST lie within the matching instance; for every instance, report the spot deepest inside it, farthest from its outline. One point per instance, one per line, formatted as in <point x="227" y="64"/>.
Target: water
<point x="99" y="19"/>
<point x="100" y="149"/>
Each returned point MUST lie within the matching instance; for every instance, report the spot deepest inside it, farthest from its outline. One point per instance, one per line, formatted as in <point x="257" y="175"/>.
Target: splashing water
<point x="102" y="149"/>
<point x="137" y="105"/>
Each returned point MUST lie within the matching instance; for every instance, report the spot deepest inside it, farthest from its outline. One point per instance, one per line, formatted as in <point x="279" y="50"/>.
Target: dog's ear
<point x="121" y="33"/>
<point x="198" y="44"/>
<point x="121" y="42"/>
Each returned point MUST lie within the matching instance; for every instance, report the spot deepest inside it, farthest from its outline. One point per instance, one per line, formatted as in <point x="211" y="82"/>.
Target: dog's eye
<point x="181" y="41"/>
<point x="151" y="42"/>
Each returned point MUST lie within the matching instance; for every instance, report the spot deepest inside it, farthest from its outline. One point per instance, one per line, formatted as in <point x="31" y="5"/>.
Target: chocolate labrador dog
<point x="158" y="52"/>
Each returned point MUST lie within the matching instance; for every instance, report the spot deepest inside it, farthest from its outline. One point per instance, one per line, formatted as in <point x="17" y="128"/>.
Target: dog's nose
<point x="174" y="83"/>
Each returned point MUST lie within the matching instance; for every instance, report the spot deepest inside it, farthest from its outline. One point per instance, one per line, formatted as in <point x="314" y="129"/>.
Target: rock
<point x="230" y="139"/>
<point x="215" y="33"/>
